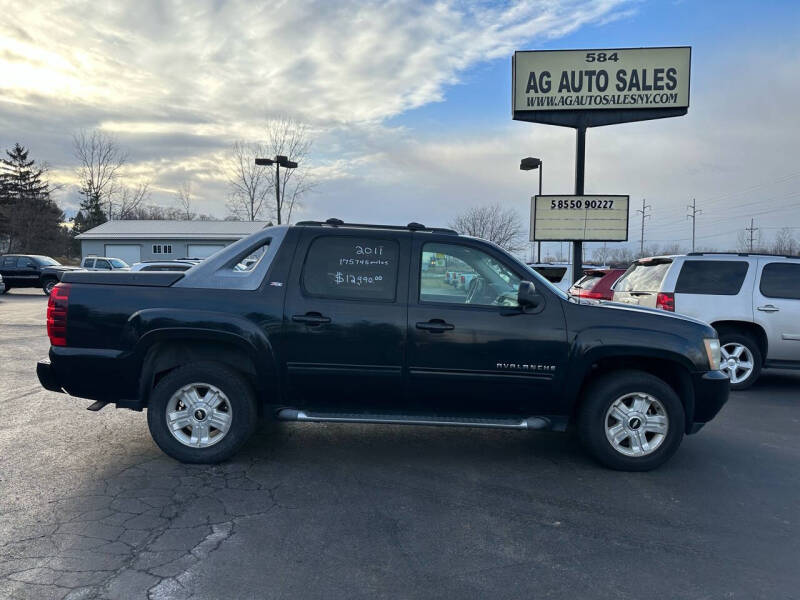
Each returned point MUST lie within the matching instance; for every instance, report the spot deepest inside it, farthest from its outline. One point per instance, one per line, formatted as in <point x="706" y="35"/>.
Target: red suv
<point x="596" y="284"/>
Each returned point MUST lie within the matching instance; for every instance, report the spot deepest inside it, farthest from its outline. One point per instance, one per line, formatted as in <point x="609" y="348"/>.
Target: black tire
<point x="48" y="285"/>
<point x="244" y="414"/>
<point x="749" y="342"/>
<point x="7" y="289"/>
<point x="592" y="420"/>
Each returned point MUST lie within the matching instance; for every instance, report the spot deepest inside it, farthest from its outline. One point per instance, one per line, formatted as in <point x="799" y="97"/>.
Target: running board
<point x="291" y="414"/>
<point x="98" y="405"/>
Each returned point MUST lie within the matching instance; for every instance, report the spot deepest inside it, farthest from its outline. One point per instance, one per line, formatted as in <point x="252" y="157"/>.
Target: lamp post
<point x="530" y="164"/>
<point x="279" y="161"/>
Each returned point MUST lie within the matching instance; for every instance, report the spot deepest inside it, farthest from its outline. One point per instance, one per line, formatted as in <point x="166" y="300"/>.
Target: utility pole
<point x="693" y="212"/>
<point x="752" y="231"/>
<point x="645" y="215"/>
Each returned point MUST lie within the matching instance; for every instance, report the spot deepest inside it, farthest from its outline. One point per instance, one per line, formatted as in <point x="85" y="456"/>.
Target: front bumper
<point x="711" y="391"/>
<point x="47" y="376"/>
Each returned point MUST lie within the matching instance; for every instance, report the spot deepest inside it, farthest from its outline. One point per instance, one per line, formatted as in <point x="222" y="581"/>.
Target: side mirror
<point x="527" y="296"/>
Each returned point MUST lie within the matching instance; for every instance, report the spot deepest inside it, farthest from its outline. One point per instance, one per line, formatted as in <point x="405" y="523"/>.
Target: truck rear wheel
<point x="202" y="413"/>
<point x="48" y="285"/>
<point x="631" y="421"/>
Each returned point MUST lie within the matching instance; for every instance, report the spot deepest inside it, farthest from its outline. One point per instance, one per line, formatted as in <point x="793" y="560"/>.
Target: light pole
<point x="530" y="164"/>
<point x="279" y="161"/>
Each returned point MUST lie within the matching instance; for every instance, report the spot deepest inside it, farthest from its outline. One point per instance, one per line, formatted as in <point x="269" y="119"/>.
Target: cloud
<point x="178" y="81"/>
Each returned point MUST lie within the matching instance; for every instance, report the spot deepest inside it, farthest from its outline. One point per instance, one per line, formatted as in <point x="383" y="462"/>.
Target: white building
<point x="136" y="241"/>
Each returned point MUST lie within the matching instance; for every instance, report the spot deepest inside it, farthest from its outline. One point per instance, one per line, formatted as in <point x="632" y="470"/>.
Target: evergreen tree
<point x="91" y="214"/>
<point x="29" y="219"/>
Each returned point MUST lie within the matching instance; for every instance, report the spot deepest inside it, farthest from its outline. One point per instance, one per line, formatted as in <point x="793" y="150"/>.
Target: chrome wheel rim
<point x="737" y="362"/>
<point x="636" y="424"/>
<point x="199" y="415"/>
<point x="48" y="287"/>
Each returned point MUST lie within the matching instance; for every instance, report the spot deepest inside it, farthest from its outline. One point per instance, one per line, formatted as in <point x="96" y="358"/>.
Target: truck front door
<point x="471" y="349"/>
<point x="345" y="320"/>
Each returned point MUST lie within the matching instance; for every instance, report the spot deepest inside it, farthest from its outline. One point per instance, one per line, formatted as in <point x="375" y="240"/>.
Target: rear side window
<point x="88" y="263"/>
<point x="643" y="277"/>
<point x="351" y="267"/>
<point x="718" y="277"/>
<point x="781" y="280"/>
<point x="9" y="261"/>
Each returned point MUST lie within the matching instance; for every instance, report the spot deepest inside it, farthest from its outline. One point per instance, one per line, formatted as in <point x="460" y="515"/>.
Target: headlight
<point x="712" y="351"/>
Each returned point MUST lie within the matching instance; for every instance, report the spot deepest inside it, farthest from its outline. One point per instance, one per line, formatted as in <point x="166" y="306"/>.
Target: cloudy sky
<point x="409" y="102"/>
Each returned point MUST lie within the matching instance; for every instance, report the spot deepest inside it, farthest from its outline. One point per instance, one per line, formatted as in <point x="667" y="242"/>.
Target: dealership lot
<point x="91" y="508"/>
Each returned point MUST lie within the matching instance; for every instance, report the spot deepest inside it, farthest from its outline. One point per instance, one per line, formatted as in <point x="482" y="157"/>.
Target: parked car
<point x="31" y="270"/>
<point x="596" y="284"/>
<point x="338" y="323"/>
<point x="165" y="265"/>
<point x="752" y="300"/>
<point x="559" y="274"/>
<point x="104" y="263"/>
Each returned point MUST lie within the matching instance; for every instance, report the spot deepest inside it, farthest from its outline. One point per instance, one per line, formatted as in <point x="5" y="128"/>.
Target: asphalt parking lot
<point x="90" y="508"/>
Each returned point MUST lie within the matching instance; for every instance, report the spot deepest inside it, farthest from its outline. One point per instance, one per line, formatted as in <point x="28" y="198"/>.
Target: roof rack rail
<point x="413" y="226"/>
<point x="742" y="254"/>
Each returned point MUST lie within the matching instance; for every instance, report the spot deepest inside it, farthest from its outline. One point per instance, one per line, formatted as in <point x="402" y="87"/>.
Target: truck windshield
<point x="46" y="261"/>
<point x="537" y="279"/>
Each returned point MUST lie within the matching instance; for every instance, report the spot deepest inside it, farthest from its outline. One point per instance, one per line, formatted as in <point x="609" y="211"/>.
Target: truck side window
<point x="720" y="277"/>
<point x="780" y="280"/>
<point x="351" y="267"/>
<point x="456" y="274"/>
<point x="102" y="264"/>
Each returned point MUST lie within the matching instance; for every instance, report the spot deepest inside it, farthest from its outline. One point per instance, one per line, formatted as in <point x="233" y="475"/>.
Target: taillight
<point x="666" y="301"/>
<point x="57" y="314"/>
<point x="592" y="295"/>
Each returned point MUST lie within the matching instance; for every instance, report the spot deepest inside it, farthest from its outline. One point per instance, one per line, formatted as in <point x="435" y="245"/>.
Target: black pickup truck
<point x="31" y="270"/>
<point x="338" y="322"/>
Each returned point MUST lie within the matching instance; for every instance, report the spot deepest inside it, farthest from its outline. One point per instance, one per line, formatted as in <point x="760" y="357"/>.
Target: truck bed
<point x="150" y="279"/>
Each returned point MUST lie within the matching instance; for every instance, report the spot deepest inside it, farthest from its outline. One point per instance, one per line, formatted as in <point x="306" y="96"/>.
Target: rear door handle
<point x="435" y="326"/>
<point x="311" y="318"/>
<point x="768" y="308"/>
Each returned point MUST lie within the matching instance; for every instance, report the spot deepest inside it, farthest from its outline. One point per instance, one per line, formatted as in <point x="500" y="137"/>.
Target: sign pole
<point x="580" y="167"/>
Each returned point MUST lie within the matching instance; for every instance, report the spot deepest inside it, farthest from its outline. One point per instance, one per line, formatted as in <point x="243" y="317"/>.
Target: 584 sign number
<point x="601" y="57"/>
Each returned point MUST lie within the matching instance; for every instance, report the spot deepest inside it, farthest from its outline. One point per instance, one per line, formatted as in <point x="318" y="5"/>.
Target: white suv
<point x="752" y="300"/>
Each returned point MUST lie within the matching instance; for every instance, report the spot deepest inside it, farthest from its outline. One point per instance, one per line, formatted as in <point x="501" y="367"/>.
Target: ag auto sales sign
<point x="624" y="78"/>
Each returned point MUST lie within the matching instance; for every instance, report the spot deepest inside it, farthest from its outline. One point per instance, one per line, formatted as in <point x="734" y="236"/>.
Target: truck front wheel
<point x="630" y="421"/>
<point x="202" y="413"/>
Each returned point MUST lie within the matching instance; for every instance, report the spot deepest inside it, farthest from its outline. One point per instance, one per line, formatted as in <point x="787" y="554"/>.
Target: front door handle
<point x="311" y="319"/>
<point x="435" y="325"/>
<point x="768" y="308"/>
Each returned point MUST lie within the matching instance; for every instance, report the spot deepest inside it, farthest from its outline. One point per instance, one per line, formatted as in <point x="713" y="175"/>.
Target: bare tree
<point x="250" y="183"/>
<point x="130" y="199"/>
<point x="494" y="223"/>
<point x="185" y="200"/>
<point x="291" y="138"/>
<point x="785" y="242"/>
<point x="100" y="162"/>
<point x="255" y="191"/>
